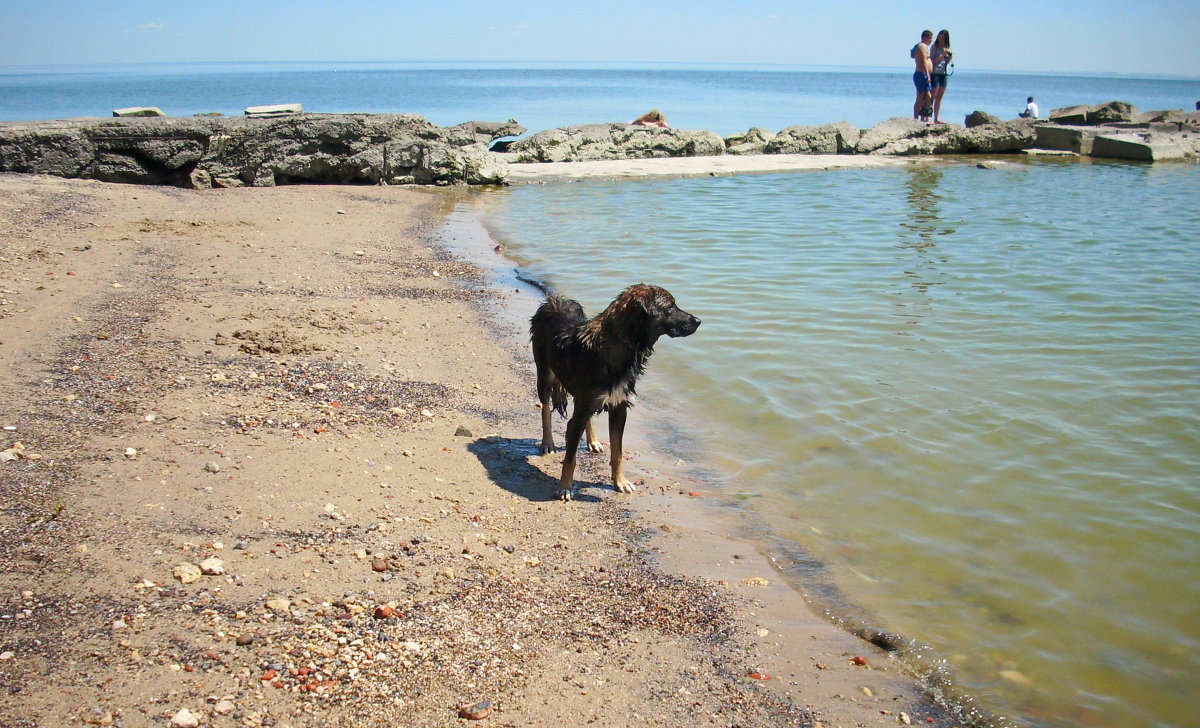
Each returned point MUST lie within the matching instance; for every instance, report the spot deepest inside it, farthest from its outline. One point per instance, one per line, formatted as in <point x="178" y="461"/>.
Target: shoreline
<point x="696" y="530"/>
<point x="272" y="386"/>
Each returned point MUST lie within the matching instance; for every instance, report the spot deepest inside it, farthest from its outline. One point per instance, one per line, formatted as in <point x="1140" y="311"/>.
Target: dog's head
<point x="664" y="316"/>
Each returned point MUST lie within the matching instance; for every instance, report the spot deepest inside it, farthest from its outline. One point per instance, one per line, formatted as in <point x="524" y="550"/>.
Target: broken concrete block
<point x="1067" y="138"/>
<point x="139" y="111"/>
<point x="1131" y="146"/>
<point x="1073" y="115"/>
<point x="275" y="110"/>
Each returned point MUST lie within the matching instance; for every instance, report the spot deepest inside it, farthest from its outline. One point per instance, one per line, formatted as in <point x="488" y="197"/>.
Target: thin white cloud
<point x="150" y="26"/>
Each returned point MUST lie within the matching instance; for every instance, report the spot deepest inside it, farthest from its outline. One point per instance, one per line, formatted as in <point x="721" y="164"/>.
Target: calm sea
<point x="973" y="395"/>
<point x="722" y="99"/>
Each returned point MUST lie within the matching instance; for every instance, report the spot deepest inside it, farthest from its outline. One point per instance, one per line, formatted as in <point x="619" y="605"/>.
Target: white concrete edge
<point x="535" y="172"/>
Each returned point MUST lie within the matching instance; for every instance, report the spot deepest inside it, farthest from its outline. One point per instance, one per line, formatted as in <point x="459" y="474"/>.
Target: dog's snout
<point x="686" y="326"/>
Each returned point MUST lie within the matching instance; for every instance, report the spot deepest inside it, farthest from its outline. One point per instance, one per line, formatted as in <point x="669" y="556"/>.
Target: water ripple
<point x="980" y="388"/>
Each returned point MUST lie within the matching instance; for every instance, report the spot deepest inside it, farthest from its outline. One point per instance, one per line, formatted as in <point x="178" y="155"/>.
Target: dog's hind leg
<point x="580" y="416"/>
<point x="545" y="386"/>
<point x="616" y="433"/>
<point x="593" y="442"/>
<point x="547" y="432"/>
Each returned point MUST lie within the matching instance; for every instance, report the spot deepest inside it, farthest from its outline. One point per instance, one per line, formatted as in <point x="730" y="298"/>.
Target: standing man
<point x="923" y="107"/>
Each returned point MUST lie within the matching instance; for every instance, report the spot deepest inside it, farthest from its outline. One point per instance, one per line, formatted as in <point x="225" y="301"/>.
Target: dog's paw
<point x="565" y="494"/>
<point x="624" y="486"/>
<point x="546" y="448"/>
<point x="596" y="446"/>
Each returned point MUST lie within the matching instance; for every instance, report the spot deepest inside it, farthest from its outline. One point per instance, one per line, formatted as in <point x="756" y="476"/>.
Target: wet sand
<point x="277" y="467"/>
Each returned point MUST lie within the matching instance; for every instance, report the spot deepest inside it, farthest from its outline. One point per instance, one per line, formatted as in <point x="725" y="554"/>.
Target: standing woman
<point x="941" y="56"/>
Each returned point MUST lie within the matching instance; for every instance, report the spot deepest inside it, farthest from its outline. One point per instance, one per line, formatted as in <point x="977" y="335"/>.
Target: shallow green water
<point x="973" y="394"/>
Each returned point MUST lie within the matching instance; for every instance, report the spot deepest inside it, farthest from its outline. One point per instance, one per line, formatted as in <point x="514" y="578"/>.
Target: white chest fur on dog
<point x="621" y="393"/>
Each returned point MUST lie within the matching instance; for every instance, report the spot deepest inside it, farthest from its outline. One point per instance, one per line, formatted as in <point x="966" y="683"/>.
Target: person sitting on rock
<point x="1031" y="110"/>
<point x="653" y="117"/>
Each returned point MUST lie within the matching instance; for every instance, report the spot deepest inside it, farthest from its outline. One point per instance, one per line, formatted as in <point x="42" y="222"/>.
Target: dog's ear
<point x="652" y="300"/>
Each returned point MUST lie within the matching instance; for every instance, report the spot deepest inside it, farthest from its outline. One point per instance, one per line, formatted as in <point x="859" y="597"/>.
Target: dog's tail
<point x="555" y="317"/>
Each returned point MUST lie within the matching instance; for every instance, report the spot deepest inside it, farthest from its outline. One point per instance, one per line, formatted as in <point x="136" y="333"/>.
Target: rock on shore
<point x="204" y="152"/>
<point x="593" y="142"/>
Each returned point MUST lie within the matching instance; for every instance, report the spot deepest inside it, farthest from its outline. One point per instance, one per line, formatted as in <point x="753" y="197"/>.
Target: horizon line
<point x="5" y="69"/>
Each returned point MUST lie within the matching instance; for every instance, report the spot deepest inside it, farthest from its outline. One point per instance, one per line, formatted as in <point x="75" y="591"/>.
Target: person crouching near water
<point x="1031" y="110"/>
<point x="653" y="117"/>
<point x="923" y="107"/>
<point x="940" y="56"/>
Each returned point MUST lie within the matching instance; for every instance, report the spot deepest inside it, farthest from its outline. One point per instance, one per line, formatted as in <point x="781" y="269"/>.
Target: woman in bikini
<point x="941" y="56"/>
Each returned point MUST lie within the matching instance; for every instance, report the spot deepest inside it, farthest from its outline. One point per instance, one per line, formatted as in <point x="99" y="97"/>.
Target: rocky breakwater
<point x="903" y="137"/>
<point x="898" y="136"/>
<point x="1118" y="130"/>
<point x="594" y="142"/>
<point x="203" y="152"/>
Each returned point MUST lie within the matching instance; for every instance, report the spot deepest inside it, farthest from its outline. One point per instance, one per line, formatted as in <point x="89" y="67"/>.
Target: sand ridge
<point x="299" y="392"/>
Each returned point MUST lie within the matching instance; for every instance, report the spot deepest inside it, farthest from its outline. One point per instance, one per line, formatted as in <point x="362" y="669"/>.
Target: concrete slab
<point x="1133" y="147"/>
<point x="535" y="172"/>
<point x="139" y="111"/>
<point x="274" y="110"/>
<point x="1076" y="139"/>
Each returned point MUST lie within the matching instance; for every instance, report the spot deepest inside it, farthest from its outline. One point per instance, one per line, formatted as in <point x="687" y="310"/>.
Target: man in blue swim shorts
<point x="923" y="107"/>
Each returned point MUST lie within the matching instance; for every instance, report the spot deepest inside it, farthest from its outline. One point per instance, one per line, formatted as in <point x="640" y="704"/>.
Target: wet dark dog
<point x="598" y="362"/>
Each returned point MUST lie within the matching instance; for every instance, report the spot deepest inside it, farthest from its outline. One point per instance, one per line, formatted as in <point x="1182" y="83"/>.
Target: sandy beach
<point x="271" y="461"/>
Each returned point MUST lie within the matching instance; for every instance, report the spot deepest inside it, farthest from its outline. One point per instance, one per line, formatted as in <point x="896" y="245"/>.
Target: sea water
<point x="972" y="395"/>
<point x="722" y="99"/>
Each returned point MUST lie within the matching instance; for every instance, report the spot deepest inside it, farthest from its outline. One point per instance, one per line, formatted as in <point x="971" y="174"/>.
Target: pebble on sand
<point x="99" y="717"/>
<point x="224" y="706"/>
<point x="187" y="573"/>
<point x="212" y="567"/>
<point x="475" y="711"/>
<point x="185" y="719"/>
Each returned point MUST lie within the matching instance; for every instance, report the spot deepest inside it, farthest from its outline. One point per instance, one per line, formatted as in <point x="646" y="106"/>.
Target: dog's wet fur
<point x="598" y="361"/>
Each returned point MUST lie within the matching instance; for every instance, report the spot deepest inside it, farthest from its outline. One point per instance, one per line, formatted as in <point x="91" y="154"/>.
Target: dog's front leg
<point x="616" y="431"/>
<point x="575" y="426"/>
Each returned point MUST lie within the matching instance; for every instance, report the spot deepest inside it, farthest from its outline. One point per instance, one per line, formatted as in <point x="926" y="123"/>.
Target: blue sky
<point x="1154" y="37"/>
